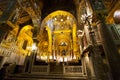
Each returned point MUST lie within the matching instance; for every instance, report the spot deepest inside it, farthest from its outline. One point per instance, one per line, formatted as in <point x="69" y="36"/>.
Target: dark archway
<point x="53" y="5"/>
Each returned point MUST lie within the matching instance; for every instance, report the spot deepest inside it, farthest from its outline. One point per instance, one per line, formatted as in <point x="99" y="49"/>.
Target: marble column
<point x="110" y="48"/>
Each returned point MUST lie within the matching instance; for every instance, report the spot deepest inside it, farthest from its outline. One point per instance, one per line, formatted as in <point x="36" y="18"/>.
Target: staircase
<point x="44" y="77"/>
<point x="56" y="68"/>
<point x="55" y="71"/>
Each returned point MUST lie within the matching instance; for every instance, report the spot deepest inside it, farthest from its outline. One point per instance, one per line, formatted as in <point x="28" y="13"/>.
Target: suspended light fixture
<point x="117" y="16"/>
<point x="34" y="47"/>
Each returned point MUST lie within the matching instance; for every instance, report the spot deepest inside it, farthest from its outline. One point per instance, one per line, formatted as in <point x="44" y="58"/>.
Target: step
<point x="30" y="76"/>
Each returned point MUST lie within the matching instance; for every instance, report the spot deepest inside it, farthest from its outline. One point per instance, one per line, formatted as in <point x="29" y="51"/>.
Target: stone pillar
<point x="95" y="57"/>
<point x="26" y="64"/>
<point x="32" y="60"/>
<point x="110" y="49"/>
<point x="89" y="66"/>
<point x="97" y="60"/>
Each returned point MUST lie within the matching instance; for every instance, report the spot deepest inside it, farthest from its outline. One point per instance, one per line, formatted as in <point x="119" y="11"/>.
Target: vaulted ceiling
<point x="50" y="6"/>
<point x="41" y="8"/>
